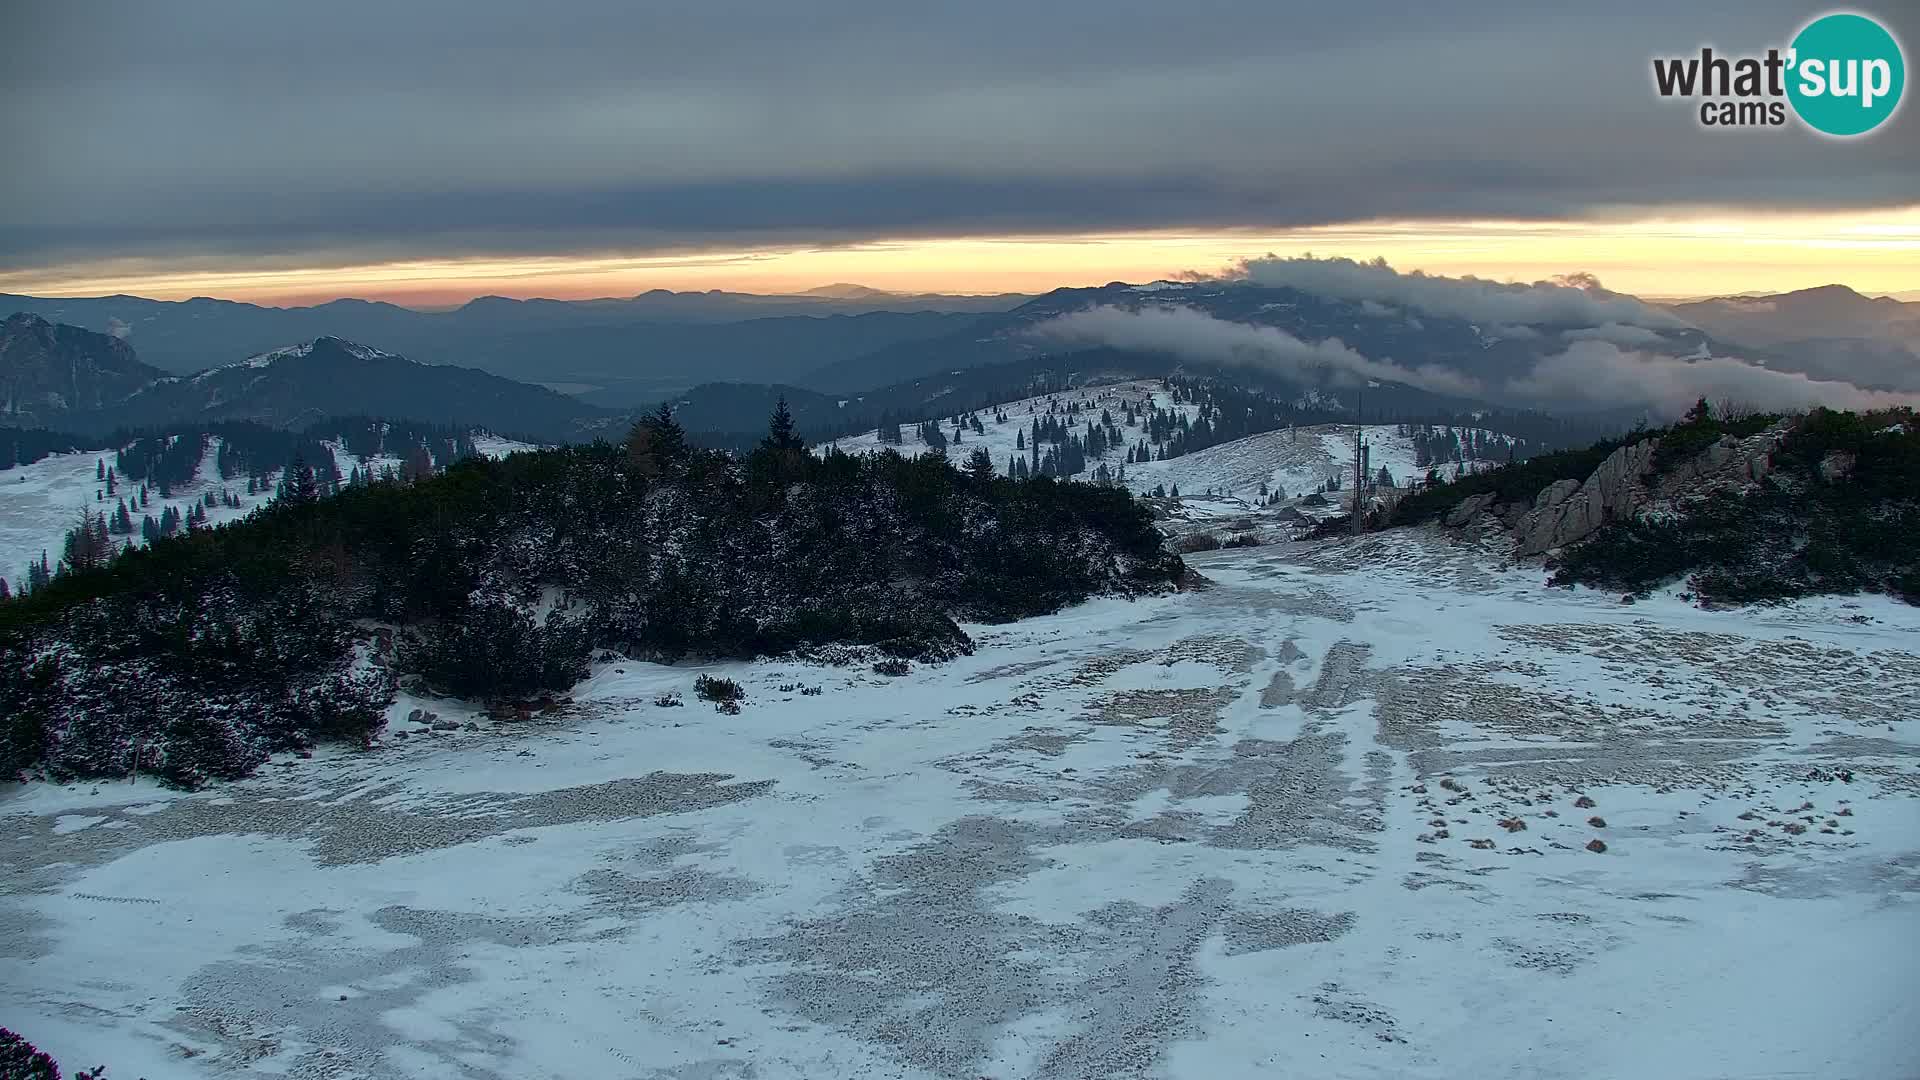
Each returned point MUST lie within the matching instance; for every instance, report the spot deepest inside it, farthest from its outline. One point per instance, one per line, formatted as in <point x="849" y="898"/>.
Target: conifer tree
<point x="980" y="465"/>
<point x="780" y="435"/>
<point x="656" y="443"/>
<point x="299" y="487"/>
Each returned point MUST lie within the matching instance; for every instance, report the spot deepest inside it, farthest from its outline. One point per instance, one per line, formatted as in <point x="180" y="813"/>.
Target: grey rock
<point x="1555" y="493"/>
<point x="1568" y="511"/>
<point x="1468" y="509"/>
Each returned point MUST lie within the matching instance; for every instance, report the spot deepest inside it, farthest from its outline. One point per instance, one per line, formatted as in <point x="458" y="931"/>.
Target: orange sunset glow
<point x="1876" y="252"/>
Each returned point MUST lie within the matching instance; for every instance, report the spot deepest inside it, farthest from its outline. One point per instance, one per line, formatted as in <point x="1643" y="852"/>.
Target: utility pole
<point x="1359" y="469"/>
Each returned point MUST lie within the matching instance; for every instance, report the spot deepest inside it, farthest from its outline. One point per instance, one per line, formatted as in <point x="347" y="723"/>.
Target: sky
<point x="428" y="152"/>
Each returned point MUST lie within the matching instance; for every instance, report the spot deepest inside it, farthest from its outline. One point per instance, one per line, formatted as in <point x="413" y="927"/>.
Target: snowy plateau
<point x="1383" y="807"/>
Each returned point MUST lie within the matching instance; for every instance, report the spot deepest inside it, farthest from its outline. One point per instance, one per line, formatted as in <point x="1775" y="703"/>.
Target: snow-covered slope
<point x="1331" y="818"/>
<point x="1002" y="440"/>
<point x="41" y="501"/>
<point x="1296" y="461"/>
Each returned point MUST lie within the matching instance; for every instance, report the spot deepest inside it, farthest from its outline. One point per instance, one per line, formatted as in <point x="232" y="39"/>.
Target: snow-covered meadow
<point x="1329" y="817"/>
<point x="40" y="502"/>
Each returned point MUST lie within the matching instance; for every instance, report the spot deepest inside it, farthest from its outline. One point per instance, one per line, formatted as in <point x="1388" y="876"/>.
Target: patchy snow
<point x="494" y="446"/>
<point x="41" y="502"/>
<point x="1001" y="439"/>
<point x="1253" y="830"/>
<point x="1294" y="460"/>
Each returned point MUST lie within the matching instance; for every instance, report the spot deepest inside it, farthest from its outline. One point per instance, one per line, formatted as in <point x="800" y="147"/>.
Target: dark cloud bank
<point x="346" y="131"/>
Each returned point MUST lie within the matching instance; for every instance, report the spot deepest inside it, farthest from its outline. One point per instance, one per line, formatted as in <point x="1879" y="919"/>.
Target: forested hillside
<point x="197" y="655"/>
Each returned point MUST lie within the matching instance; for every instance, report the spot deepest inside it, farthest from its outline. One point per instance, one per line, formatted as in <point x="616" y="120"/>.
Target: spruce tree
<point x="980" y="465"/>
<point x="300" y="486"/>
<point x="780" y="434"/>
<point x="656" y="443"/>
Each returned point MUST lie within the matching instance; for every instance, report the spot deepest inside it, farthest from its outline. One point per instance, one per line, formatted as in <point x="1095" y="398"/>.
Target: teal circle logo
<point x="1847" y="74"/>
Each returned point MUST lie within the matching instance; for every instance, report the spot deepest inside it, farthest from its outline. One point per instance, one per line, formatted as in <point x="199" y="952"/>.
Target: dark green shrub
<point x="718" y="691"/>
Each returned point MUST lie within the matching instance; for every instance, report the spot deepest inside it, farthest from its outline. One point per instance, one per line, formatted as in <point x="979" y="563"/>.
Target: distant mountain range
<point x="613" y="352"/>
<point x="1830" y="332"/>
<point x="1450" y="342"/>
<point x="559" y="370"/>
<point x="68" y="379"/>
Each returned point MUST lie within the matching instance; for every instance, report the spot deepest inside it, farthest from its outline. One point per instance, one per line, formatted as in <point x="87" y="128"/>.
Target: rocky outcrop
<point x="1729" y="464"/>
<point x="1837" y="466"/>
<point x="1624" y="485"/>
<point x="1568" y="511"/>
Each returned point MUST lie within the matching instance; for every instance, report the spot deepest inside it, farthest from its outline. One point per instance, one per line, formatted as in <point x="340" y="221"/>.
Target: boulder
<point x="1555" y="493"/>
<point x="1468" y="509"/>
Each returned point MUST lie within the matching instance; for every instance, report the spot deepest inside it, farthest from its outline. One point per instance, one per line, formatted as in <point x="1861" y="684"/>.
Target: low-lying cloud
<point x="1600" y="374"/>
<point x="1576" y="300"/>
<point x="1196" y="335"/>
<point x="1590" y="374"/>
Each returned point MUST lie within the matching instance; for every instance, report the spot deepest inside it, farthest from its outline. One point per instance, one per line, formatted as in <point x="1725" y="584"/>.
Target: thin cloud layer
<point x="1586" y="375"/>
<point x="1196" y="335"/>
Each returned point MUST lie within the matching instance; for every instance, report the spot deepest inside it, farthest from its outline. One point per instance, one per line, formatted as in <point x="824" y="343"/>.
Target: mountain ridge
<point x="288" y="387"/>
